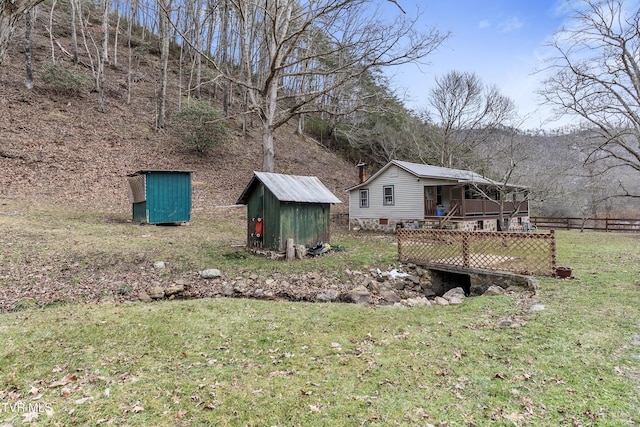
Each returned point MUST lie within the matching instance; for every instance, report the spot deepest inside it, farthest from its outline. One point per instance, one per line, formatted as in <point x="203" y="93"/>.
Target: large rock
<point x="494" y="290"/>
<point x="358" y="295"/>
<point x="155" y="292"/>
<point x="328" y="295"/>
<point x="373" y="286"/>
<point x="240" y="287"/>
<point x="174" y="290"/>
<point x="227" y="289"/>
<point x="417" y="301"/>
<point x="210" y="273"/>
<point x="441" y="301"/>
<point x="390" y="296"/>
<point x="144" y="297"/>
<point x="454" y="296"/>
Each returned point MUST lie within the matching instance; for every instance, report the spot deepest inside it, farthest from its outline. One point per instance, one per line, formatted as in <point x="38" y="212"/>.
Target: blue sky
<point x="502" y="41"/>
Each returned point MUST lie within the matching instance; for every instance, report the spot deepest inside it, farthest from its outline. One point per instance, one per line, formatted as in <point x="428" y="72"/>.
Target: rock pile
<point x="408" y="286"/>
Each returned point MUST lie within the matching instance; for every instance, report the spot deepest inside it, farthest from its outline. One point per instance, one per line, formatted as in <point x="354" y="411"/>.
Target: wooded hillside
<point x="56" y="147"/>
<point x="90" y="94"/>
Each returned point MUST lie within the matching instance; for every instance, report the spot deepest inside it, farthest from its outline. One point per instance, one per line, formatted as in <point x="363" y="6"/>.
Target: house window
<point x="364" y="198"/>
<point x="387" y="194"/>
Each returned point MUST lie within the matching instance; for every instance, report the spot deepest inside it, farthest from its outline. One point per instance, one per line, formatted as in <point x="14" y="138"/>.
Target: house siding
<point x="408" y="198"/>
<point x="408" y="210"/>
<point x="406" y="192"/>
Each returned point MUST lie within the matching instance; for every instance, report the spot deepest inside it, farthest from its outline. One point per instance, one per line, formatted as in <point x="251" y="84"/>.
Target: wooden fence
<point x="575" y="223"/>
<point x="522" y="253"/>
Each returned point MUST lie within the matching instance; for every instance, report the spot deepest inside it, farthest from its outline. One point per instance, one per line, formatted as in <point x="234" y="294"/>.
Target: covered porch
<point x="457" y="202"/>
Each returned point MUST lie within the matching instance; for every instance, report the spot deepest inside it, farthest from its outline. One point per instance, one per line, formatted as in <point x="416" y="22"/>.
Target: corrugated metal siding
<point x="168" y="197"/>
<point x="271" y="221"/>
<point x="306" y="223"/>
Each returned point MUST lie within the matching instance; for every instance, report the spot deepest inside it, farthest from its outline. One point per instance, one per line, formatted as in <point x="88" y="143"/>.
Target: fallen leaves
<point x="83" y="400"/>
<point x="315" y="409"/>
<point x="64" y="381"/>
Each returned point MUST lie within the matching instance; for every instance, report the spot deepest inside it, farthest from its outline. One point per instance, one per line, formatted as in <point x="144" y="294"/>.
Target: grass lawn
<point x="236" y="362"/>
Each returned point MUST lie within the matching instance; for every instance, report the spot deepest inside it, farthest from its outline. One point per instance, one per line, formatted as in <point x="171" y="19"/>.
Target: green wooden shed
<point x="160" y="196"/>
<point x="281" y="207"/>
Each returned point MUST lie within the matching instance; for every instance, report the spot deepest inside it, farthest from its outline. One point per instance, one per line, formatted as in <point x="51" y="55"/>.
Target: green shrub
<point x="201" y="125"/>
<point x="64" y="80"/>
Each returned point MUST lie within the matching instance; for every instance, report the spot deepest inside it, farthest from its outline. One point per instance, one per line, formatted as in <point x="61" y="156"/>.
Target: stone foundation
<point x="388" y="225"/>
<point x="382" y="224"/>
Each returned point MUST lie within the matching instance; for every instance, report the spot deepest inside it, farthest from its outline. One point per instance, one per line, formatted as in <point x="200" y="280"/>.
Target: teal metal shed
<point x="160" y="196"/>
<point x="281" y="207"/>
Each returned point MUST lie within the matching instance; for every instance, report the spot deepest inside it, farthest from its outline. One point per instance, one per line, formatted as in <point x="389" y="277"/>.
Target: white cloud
<point x="485" y="23"/>
<point x="510" y="24"/>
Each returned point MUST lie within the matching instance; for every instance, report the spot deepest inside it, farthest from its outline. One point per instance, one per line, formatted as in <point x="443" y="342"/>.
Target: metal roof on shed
<point x="290" y="188"/>
<point x="146" y="171"/>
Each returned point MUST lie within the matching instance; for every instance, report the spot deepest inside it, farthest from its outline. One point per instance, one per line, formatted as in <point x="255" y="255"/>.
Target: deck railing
<point x="481" y="207"/>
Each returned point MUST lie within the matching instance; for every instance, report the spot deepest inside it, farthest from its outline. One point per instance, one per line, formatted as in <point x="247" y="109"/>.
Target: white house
<point x="405" y="194"/>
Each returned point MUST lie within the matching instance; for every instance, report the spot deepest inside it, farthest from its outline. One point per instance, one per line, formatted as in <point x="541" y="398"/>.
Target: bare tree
<point x="29" y="17"/>
<point x="382" y="131"/>
<point x="103" y="56"/>
<point x="51" y="38"/>
<point x="597" y="80"/>
<point x="10" y="12"/>
<point x="508" y="157"/>
<point x="465" y="112"/>
<point x="164" y="11"/>
<point x="273" y="36"/>
<point x="74" y="31"/>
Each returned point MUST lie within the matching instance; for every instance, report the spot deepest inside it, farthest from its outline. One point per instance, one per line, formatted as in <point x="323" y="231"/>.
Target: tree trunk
<point x="300" y="129"/>
<point x="164" y="62"/>
<point x="10" y="13"/>
<point x="104" y="56"/>
<point x="268" y="126"/>
<point x="74" y="31"/>
<point x="268" y="151"/>
<point x="28" y="20"/>
<point x="130" y="51"/>
<point x="7" y="24"/>
<point x="115" y="40"/>
<point x="53" y="49"/>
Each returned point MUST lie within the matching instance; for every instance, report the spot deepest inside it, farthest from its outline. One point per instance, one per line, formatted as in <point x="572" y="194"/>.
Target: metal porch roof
<point x="429" y="171"/>
<point x="433" y="172"/>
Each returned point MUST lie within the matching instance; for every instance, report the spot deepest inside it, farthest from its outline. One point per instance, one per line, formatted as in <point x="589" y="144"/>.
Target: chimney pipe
<point x="362" y="171"/>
